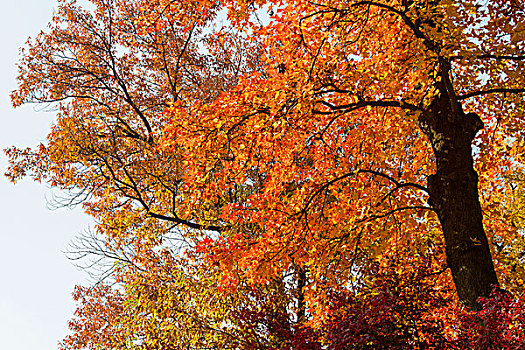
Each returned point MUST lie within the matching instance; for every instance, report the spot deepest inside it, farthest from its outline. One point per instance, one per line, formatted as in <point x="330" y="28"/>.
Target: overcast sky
<point x="36" y="279"/>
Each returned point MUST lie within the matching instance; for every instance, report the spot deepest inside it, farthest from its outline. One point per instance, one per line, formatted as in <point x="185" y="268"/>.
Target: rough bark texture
<point x="453" y="191"/>
<point x="301" y="283"/>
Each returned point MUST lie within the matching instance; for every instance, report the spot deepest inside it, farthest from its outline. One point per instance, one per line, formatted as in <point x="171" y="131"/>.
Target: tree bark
<point x="301" y="283"/>
<point x="453" y="193"/>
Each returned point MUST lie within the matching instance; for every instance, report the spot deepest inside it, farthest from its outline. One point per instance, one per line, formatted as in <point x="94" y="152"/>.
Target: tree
<point x="359" y="105"/>
<point x="295" y="143"/>
<point x="112" y="80"/>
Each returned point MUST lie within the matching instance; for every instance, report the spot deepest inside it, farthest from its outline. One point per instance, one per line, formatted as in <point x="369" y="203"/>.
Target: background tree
<point x="111" y="80"/>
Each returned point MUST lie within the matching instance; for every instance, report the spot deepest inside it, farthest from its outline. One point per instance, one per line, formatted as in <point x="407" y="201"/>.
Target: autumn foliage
<point x="338" y="174"/>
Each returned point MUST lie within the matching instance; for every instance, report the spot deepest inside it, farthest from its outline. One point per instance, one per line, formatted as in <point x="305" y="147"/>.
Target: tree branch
<point x="187" y="223"/>
<point x="491" y="91"/>
<point x="489" y="56"/>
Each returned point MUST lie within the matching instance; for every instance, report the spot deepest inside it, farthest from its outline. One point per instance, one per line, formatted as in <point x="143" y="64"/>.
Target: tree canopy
<point x="298" y="174"/>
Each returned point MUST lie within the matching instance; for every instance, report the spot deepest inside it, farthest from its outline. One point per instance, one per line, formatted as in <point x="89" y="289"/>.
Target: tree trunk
<point x="301" y="283"/>
<point x="453" y="192"/>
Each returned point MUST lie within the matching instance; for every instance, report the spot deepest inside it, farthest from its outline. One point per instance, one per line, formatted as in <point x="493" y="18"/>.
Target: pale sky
<point x="36" y="279"/>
